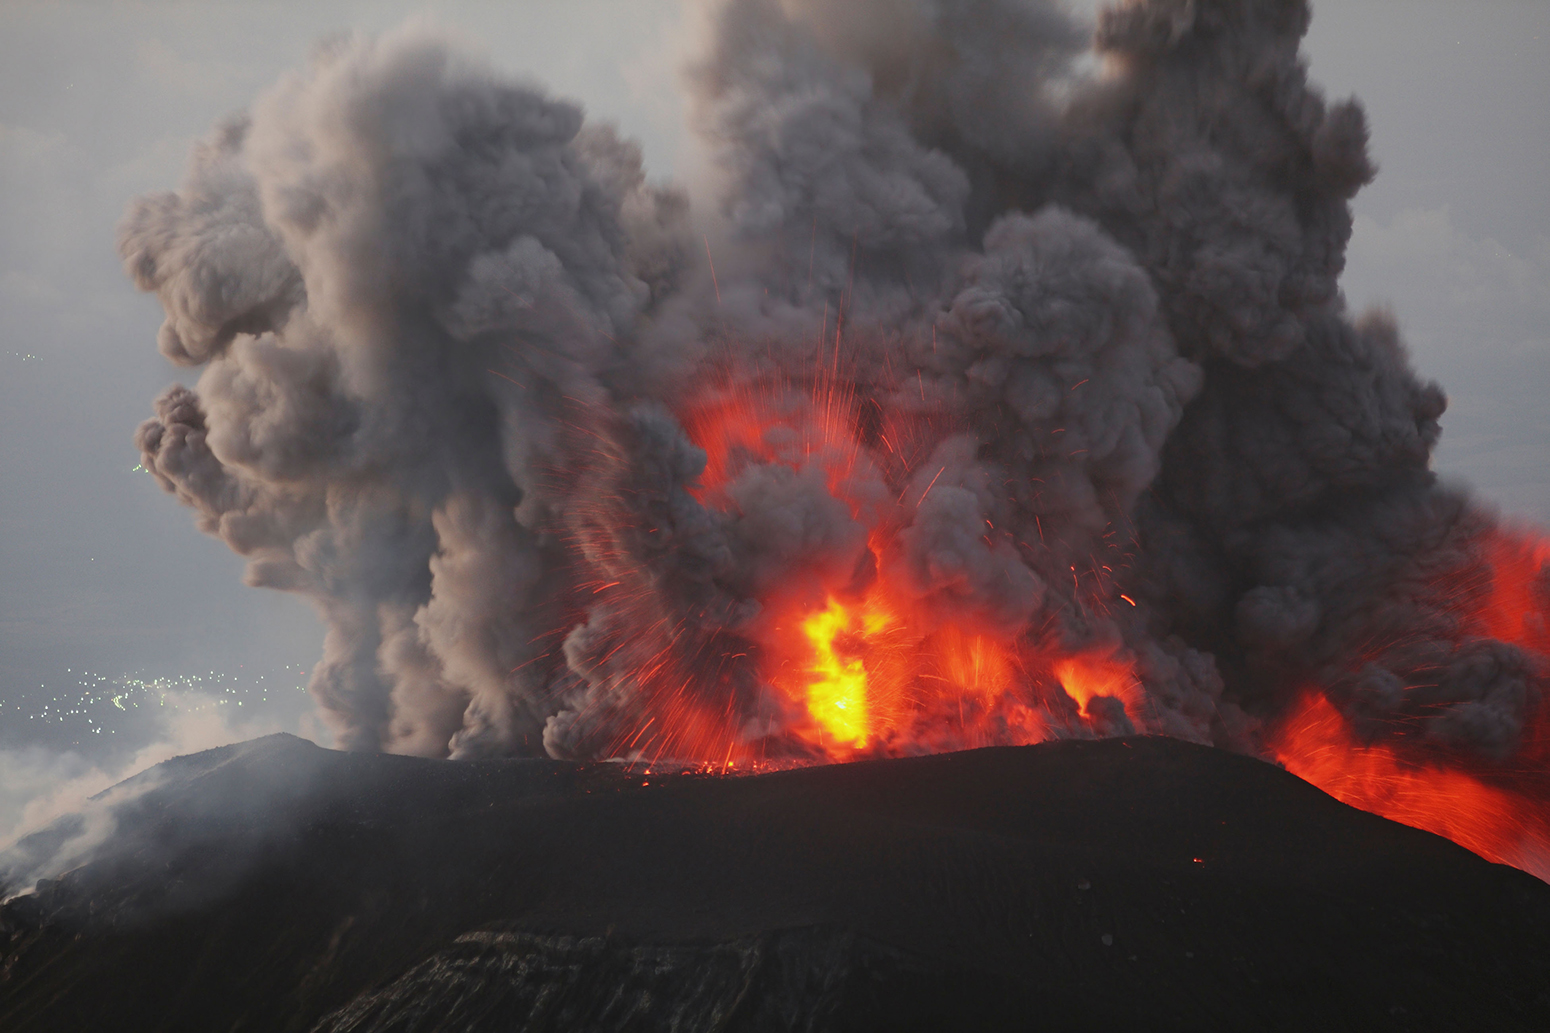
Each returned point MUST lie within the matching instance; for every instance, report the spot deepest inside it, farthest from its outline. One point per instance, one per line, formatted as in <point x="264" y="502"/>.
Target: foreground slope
<point x="1130" y="883"/>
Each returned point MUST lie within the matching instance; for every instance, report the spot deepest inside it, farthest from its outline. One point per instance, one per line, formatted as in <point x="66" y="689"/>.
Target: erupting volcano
<point x="984" y="399"/>
<point x="858" y="660"/>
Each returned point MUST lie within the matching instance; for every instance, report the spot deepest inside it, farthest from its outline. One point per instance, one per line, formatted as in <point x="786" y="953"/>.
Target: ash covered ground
<point x="1133" y="883"/>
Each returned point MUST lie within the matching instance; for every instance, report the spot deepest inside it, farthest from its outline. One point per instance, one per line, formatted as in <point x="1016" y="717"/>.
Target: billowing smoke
<point x="1050" y="358"/>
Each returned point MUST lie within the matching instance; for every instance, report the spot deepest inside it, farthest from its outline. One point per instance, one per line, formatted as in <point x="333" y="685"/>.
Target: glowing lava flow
<point x="1502" y="815"/>
<point x="1316" y="743"/>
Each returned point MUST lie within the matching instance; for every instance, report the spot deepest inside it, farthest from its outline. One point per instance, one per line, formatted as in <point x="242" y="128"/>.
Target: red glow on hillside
<point x="1316" y="743"/>
<point x="1501" y="813"/>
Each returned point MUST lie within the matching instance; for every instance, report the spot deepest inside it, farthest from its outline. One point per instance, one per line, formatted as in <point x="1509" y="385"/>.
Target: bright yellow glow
<point x="837" y="693"/>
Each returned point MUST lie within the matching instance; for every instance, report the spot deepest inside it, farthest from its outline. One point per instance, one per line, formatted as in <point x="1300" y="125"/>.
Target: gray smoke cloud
<point x="1083" y="329"/>
<point x="416" y="223"/>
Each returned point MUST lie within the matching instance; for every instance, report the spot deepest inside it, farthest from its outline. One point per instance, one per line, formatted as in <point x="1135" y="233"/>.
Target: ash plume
<point x="1100" y="392"/>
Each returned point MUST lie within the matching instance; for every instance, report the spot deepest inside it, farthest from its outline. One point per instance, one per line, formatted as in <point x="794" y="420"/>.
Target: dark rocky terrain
<point x="1123" y="884"/>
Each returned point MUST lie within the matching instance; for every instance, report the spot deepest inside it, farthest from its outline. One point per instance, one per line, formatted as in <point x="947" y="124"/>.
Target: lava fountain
<point x="862" y="667"/>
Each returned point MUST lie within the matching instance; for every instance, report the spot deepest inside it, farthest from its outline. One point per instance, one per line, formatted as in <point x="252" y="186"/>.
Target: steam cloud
<point x="449" y="330"/>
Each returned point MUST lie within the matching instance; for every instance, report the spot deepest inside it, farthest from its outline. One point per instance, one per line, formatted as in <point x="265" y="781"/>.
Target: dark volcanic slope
<point x="1124" y="884"/>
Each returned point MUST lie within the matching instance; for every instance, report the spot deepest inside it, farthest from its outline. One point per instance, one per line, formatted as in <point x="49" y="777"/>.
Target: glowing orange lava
<point x="1316" y="743"/>
<point x="870" y="681"/>
<point x="868" y="671"/>
<point x="866" y="668"/>
<point x="1500" y="814"/>
<point x="1087" y="675"/>
<point x="837" y="681"/>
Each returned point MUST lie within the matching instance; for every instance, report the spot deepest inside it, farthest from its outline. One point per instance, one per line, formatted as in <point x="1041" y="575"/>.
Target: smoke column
<point x="1022" y="394"/>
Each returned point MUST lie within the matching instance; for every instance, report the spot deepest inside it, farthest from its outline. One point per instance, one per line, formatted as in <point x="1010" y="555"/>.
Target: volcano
<point x="899" y="585"/>
<point x="1127" y="883"/>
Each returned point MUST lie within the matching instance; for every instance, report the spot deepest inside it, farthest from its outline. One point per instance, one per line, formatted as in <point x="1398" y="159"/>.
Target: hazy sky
<point x="107" y="584"/>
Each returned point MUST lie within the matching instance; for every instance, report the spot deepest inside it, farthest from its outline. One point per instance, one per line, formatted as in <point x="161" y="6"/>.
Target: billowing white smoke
<point x="446" y="326"/>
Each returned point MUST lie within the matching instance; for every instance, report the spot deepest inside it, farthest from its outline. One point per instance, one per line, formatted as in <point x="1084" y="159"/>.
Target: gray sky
<point x="108" y="589"/>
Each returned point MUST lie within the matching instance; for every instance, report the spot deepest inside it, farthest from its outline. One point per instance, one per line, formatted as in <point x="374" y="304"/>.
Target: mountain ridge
<point x="1129" y="883"/>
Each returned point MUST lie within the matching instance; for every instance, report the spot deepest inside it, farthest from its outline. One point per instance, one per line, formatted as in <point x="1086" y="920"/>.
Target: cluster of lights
<point x="92" y="697"/>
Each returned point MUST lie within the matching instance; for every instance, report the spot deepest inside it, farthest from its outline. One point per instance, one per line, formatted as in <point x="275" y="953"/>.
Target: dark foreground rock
<point x="1125" y="884"/>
